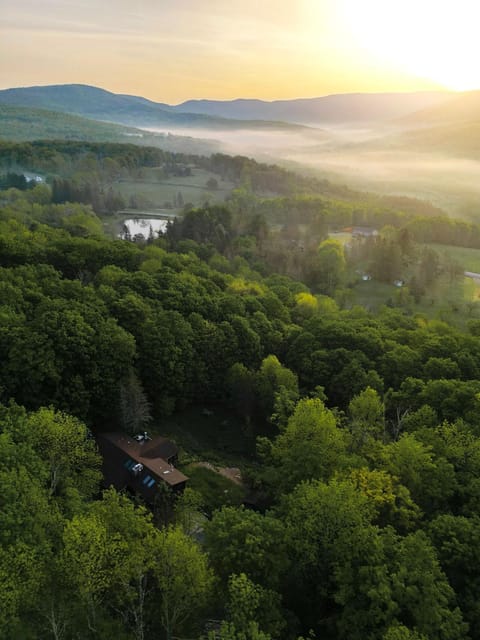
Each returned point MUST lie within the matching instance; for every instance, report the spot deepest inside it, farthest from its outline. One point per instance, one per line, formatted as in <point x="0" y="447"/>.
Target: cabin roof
<point x="159" y="447"/>
<point x="118" y="448"/>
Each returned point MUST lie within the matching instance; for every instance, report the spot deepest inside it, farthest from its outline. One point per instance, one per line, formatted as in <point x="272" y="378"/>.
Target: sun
<point x="432" y="39"/>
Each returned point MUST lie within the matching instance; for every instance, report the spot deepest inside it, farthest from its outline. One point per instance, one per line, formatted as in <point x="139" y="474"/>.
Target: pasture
<point x="153" y="190"/>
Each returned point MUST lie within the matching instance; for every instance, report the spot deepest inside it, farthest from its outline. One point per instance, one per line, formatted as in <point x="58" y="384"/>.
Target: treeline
<point x="61" y="156"/>
<point x="87" y="192"/>
<point x="16" y="181"/>
<point x="374" y="212"/>
<point x="261" y="178"/>
<point x="425" y="223"/>
<point x="64" y="156"/>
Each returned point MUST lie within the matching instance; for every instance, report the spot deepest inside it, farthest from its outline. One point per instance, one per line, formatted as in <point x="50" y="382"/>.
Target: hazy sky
<point x="174" y="50"/>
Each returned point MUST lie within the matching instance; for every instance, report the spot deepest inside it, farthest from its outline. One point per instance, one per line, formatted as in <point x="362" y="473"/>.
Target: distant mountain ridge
<point x="99" y="104"/>
<point x="332" y="109"/>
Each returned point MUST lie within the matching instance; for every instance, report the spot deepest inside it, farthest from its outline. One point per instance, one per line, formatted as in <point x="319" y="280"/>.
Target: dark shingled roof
<point x="118" y="448"/>
<point x="160" y="447"/>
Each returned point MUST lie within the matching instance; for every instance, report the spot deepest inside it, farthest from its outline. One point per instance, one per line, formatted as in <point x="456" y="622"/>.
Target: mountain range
<point x="438" y="122"/>
<point x="99" y="104"/>
<point x="332" y="109"/>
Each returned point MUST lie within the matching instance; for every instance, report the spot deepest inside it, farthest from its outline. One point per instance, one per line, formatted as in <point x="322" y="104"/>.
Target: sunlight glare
<point x="433" y="39"/>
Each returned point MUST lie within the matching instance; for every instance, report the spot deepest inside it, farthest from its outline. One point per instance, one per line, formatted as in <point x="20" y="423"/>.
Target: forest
<point x="359" y="427"/>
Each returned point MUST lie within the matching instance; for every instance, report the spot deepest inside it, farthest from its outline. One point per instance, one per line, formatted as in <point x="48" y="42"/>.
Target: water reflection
<point x="142" y="228"/>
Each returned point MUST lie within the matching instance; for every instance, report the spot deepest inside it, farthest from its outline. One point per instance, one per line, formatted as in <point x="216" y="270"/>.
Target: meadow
<point x="156" y="191"/>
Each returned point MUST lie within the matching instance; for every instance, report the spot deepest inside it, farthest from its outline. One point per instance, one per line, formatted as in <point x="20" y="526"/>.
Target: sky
<point x="171" y="51"/>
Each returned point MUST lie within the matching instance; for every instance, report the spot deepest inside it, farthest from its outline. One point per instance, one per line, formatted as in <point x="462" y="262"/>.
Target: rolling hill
<point x="461" y="139"/>
<point x="98" y="104"/>
<point x="452" y="128"/>
<point x="464" y="107"/>
<point x="22" y="124"/>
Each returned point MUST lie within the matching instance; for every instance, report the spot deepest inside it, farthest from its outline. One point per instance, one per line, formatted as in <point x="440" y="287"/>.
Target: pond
<point x="137" y="227"/>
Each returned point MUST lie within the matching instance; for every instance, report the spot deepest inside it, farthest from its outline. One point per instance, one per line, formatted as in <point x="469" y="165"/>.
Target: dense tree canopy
<point x="361" y="427"/>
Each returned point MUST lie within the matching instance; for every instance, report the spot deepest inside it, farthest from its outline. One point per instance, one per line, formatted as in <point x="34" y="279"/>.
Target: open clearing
<point x="469" y="259"/>
<point x="158" y="192"/>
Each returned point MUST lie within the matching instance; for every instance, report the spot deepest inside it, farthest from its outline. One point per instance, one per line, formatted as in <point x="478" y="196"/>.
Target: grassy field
<point x="159" y="191"/>
<point x="455" y="302"/>
<point x="468" y="258"/>
<point x="373" y="295"/>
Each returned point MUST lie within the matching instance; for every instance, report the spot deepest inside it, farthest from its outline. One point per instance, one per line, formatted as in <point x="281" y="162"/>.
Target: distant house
<point x="33" y="177"/>
<point x="140" y="464"/>
<point x="364" y="232"/>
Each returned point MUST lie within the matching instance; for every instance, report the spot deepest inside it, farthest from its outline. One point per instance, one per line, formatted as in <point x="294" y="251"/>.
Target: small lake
<point x="142" y="226"/>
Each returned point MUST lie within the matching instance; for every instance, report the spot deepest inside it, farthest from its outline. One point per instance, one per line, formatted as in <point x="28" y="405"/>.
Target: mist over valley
<point x="420" y="144"/>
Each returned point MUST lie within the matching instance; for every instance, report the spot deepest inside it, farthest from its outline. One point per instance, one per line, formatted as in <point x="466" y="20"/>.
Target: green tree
<point x="277" y="389"/>
<point x="456" y="540"/>
<point x="366" y="417"/>
<point x="330" y="266"/>
<point x="250" y="607"/>
<point x="390" y="499"/>
<point x="338" y="578"/>
<point x="88" y="558"/>
<point x="188" y="510"/>
<point x="421" y="590"/>
<point x="244" y="541"/>
<point x="229" y="632"/>
<point x="399" y="632"/>
<point x="183" y="578"/>
<point x="430" y="479"/>
<point x="310" y="446"/>
<point x="109" y="553"/>
<point x="243" y="602"/>
<point x="134" y="406"/>
<point x="212" y="184"/>
<point x="72" y="458"/>
<point x="241" y="387"/>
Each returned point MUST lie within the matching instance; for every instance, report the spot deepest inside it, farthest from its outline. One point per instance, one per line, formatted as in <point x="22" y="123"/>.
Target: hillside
<point x="335" y="109"/>
<point x="453" y="139"/>
<point x="99" y="104"/>
<point x="464" y="107"/>
<point x="23" y="124"/>
<point x="460" y="139"/>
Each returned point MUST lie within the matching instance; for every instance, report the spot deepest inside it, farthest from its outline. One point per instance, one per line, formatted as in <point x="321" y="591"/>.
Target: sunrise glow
<point x="433" y="39"/>
<point x="274" y="49"/>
